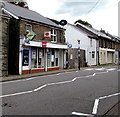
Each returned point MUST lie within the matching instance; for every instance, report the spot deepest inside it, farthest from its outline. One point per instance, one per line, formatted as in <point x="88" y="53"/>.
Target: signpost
<point x="78" y="54"/>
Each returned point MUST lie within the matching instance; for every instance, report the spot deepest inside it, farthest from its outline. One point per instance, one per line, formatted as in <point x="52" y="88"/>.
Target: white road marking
<point x="95" y="108"/>
<point x="74" y="79"/>
<point x="15" y="94"/>
<point x="88" y="69"/>
<point x="45" y="85"/>
<point x="96" y="104"/>
<point x="111" y="69"/>
<point x="82" y="114"/>
<point x="41" y="87"/>
<point x="99" y="69"/>
<point x="94" y="74"/>
<point x="50" y="84"/>
<point x="109" y="96"/>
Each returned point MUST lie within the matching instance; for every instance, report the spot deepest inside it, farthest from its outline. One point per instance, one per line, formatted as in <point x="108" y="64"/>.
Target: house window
<point x="28" y="27"/>
<point x="93" y="54"/>
<point x="53" y="35"/>
<point x="91" y="42"/>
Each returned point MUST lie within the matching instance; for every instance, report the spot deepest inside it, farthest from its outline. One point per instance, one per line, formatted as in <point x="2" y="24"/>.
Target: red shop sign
<point x="44" y="44"/>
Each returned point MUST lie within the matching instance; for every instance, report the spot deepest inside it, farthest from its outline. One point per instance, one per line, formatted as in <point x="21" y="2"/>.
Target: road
<point x="86" y="92"/>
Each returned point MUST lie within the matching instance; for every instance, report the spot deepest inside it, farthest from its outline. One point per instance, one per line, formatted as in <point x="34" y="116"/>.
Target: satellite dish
<point x="63" y="22"/>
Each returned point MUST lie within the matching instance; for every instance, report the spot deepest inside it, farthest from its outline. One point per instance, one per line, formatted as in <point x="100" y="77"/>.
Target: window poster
<point x="33" y="54"/>
<point x="40" y="54"/>
<point x="25" y="57"/>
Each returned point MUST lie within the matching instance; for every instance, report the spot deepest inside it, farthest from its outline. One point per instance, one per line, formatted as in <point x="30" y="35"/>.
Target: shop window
<point x="53" y="35"/>
<point x="34" y="58"/>
<point x="40" y="58"/>
<point x="25" y="58"/>
<point x="52" y="58"/>
<point x="37" y="60"/>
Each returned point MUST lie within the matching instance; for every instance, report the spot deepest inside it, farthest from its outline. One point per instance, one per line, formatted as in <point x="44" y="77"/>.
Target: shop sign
<point x="31" y="35"/>
<point x="47" y="34"/>
<point x="44" y="44"/>
<point x="69" y="45"/>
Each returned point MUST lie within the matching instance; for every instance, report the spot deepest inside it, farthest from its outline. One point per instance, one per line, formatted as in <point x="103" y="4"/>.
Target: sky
<point x="99" y="13"/>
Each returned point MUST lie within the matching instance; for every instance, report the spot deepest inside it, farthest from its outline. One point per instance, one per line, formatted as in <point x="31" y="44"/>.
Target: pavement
<point x="114" y="111"/>
<point x="18" y="77"/>
<point x="24" y="76"/>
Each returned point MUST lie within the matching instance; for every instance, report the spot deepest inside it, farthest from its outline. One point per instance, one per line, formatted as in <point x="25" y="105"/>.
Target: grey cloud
<point x="78" y="8"/>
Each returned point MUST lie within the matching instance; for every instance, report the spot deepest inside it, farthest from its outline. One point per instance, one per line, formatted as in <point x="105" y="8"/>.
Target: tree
<point x="83" y="22"/>
<point x="21" y="3"/>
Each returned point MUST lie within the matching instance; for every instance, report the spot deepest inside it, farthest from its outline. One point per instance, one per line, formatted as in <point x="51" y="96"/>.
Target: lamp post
<point x="78" y="54"/>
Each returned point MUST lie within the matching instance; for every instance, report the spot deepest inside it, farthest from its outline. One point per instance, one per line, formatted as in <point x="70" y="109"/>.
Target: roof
<point x="24" y="13"/>
<point x="94" y="31"/>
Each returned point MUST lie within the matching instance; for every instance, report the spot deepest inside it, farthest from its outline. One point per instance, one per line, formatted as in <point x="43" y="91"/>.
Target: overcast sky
<point x="100" y="13"/>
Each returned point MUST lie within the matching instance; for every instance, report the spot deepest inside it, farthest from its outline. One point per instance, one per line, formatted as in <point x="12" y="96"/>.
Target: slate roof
<point x="94" y="31"/>
<point x="27" y="14"/>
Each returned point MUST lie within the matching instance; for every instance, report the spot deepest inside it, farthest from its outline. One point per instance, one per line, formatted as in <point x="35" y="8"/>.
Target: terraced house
<point x="108" y="47"/>
<point x="33" y="42"/>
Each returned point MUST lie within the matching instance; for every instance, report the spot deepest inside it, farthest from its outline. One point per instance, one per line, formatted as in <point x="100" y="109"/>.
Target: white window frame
<point x="54" y="35"/>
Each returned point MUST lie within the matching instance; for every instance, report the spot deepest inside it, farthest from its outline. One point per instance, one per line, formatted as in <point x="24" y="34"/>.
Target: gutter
<point x="6" y="11"/>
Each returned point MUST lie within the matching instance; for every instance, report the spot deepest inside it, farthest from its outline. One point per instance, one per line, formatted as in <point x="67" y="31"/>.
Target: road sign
<point x="69" y="45"/>
<point x="31" y="35"/>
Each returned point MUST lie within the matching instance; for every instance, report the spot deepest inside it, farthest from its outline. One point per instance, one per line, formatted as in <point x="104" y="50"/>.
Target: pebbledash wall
<point x="41" y="54"/>
<point x="4" y="20"/>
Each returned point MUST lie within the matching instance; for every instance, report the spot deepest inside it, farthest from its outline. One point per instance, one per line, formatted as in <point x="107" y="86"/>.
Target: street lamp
<point x="78" y="54"/>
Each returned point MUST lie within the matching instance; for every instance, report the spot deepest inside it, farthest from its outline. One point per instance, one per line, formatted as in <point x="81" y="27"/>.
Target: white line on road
<point x="15" y="94"/>
<point x="95" y="108"/>
<point x="96" y="104"/>
<point x="41" y="87"/>
<point x="109" y="96"/>
<point x="49" y="84"/>
<point x="82" y="114"/>
<point x="45" y="85"/>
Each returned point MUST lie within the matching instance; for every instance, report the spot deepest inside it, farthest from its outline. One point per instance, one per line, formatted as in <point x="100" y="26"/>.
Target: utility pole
<point x="78" y="54"/>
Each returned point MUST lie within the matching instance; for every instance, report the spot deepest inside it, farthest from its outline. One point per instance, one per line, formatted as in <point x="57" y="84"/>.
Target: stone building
<point x="34" y="43"/>
<point x="4" y="20"/>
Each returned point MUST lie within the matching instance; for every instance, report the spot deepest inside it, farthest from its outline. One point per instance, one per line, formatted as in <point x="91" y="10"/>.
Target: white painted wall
<point x="73" y="33"/>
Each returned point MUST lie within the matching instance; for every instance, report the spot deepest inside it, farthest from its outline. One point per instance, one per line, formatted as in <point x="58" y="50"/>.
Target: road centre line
<point x="49" y="84"/>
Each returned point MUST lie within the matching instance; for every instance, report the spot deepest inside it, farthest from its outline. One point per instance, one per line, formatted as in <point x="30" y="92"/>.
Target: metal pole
<point x="78" y="54"/>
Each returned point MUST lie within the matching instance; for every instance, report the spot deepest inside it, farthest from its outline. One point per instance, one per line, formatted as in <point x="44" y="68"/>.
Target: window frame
<point x="53" y="35"/>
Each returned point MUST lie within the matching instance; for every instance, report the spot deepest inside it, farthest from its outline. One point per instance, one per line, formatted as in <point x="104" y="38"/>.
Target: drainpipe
<point x="45" y="62"/>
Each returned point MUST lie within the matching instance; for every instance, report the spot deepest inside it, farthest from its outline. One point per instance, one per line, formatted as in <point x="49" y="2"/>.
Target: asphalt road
<point x="87" y="92"/>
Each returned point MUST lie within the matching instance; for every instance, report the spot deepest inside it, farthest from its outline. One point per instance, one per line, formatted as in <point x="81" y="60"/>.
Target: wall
<point x="4" y="20"/>
<point x="73" y="33"/>
<point x="39" y="29"/>
<point x="73" y="58"/>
